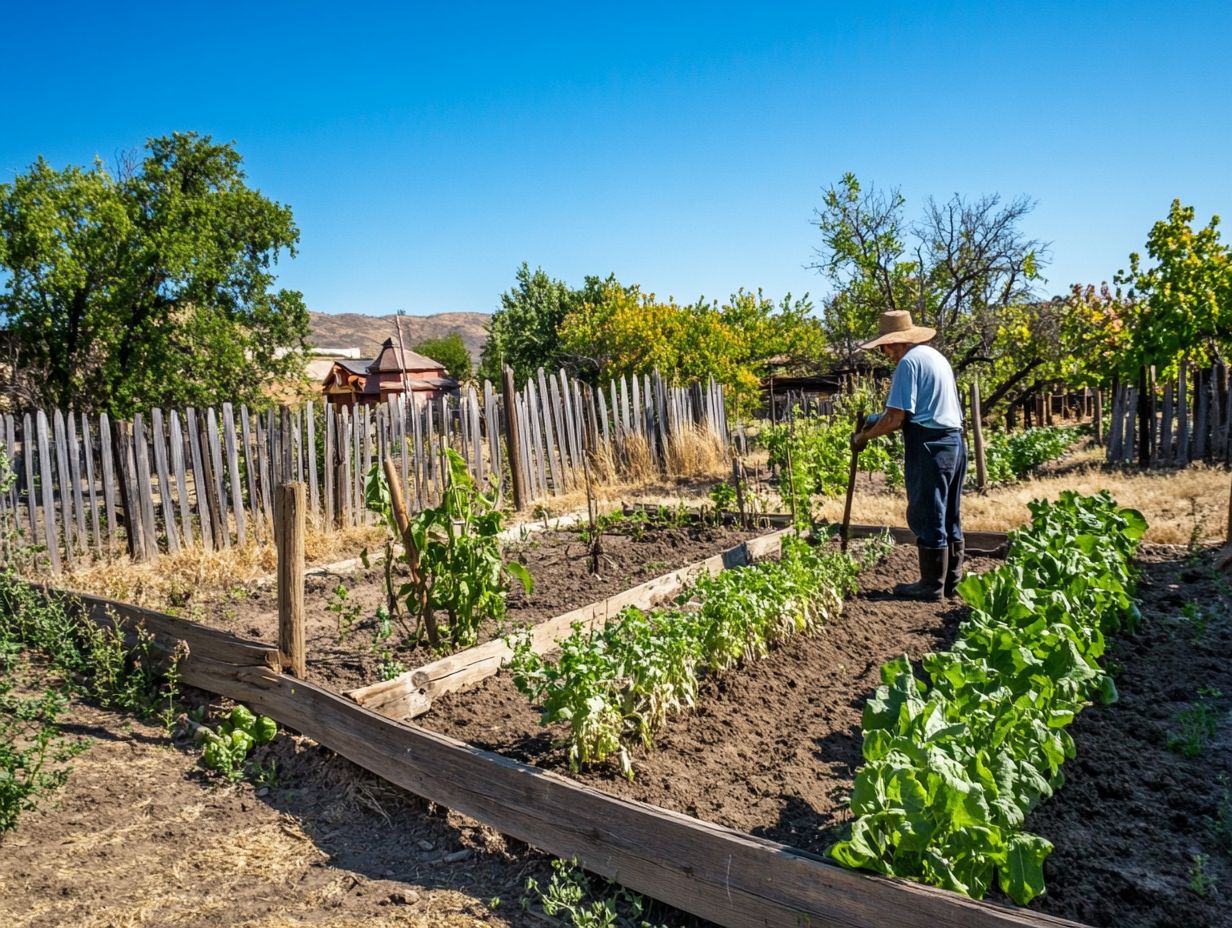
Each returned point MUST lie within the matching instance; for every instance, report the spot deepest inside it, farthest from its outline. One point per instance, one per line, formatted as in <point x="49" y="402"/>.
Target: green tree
<point x="450" y="352"/>
<point x="152" y="286"/>
<point x="1182" y="304"/>
<point x="617" y="331"/>
<point x="522" y="333"/>
<point x="957" y="268"/>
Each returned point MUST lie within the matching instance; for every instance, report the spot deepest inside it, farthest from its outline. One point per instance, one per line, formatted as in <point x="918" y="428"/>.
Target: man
<point x="923" y="402"/>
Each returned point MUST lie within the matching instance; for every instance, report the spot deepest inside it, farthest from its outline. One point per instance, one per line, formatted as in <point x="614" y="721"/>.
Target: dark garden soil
<point x="1143" y="834"/>
<point x="341" y="626"/>
<point x="771" y="750"/>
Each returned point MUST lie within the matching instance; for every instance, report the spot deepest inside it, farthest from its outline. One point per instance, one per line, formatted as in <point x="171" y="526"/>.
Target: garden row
<point x="953" y="764"/>
<point x="620" y="682"/>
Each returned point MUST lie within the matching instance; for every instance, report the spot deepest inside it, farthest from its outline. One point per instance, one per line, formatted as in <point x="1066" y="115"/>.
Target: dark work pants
<point x="935" y="468"/>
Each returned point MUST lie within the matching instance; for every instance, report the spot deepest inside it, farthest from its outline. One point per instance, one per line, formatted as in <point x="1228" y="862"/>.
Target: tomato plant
<point x="458" y="569"/>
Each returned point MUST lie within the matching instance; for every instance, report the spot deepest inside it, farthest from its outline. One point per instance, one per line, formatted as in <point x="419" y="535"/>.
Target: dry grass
<point x="1182" y="507"/>
<point x="197" y="571"/>
<point x="696" y="452"/>
<point x="178" y="883"/>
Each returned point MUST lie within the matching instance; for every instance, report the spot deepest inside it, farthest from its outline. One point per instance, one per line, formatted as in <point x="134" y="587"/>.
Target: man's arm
<point x="890" y="420"/>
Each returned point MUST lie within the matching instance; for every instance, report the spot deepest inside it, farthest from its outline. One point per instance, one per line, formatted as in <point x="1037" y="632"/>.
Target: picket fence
<point x="1188" y="419"/>
<point x="88" y="487"/>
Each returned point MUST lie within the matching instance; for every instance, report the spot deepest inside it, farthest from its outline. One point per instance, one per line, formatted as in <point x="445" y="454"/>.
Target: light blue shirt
<point x="924" y="387"/>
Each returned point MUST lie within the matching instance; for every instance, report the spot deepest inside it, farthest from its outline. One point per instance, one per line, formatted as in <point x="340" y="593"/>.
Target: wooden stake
<point x="513" y="437"/>
<point x="289" y="537"/>
<point x="408" y="543"/>
<point x="977" y="434"/>
<point x="1098" y="414"/>
<point x="739" y="485"/>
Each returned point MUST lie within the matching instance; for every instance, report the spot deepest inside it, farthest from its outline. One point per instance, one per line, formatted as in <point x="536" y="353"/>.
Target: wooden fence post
<point x="977" y="433"/>
<point x="289" y="538"/>
<point x="1146" y="432"/>
<point x="514" y="440"/>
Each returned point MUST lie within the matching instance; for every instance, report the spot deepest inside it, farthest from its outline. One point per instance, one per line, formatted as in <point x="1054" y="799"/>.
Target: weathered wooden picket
<point x="1173" y="423"/>
<point x="88" y="486"/>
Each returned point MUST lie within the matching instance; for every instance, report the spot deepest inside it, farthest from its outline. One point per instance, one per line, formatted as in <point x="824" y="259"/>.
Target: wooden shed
<point x="362" y="382"/>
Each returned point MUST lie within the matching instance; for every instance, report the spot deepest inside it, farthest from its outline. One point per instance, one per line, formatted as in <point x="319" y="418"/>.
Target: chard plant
<point x="953" y="763"/>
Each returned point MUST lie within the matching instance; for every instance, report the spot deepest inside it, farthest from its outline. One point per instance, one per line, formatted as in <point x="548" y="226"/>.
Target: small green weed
<point x="1201" y="883"/>
<point x="583" y="901"/>
<point x="1196" y="724"/>
<point x="1197" y="618"/>
<point x="389" y="667"/>
<point x="345" y="610"/>
<point x="226" y="749"/>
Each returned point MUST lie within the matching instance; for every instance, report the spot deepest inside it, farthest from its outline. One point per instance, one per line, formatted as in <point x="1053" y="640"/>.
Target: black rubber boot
<point x="954" y="568"/>
<point x="931" y="585"/>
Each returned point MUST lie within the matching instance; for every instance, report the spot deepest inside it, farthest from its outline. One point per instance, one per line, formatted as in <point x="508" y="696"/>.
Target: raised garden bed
<point x="771" y="749"/>
<point x="345" y="651"/>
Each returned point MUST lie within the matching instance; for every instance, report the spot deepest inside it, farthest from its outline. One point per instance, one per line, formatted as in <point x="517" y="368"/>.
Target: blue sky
<point x="428" y="149"/>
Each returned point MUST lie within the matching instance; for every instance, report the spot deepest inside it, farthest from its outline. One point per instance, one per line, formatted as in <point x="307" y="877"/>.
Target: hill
<point x="356" y="330"/>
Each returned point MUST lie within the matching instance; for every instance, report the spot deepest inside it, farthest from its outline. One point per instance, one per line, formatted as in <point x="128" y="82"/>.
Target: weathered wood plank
<point x="417" y="458"/>
<point x="107" y="459"/>
<point x="164" y="480"/>
<point x="66" y="493"/>
<point x="130" y="499"/>
<point x="233" y="471"/>
<point x="551" y="434"/>
<point x="74" y="470"/>
<point x="494" y="433"/>
<point x="717" y="873"/>
<point x="181" y="480"/>
<point x="264" y="483"/>
<point x="330" y="444"/>
<point x="543" y="448"/>
<point x="28" y="443"/>
<point x="10" y="447"/>
<point x="215" y="468"/>
<point x="145" y="490"/>
<point x="87" y="444"/>
<point x="46" y="479"/>
<point x="480" y="468"/>
<point x="204" y="515"/>
<point x="314" y="497"/>
<point x="251" y="471"/>
<point x="347" y="444"/>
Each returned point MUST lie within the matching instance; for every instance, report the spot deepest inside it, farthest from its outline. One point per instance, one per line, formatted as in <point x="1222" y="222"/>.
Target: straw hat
<point x="895" y="326"/>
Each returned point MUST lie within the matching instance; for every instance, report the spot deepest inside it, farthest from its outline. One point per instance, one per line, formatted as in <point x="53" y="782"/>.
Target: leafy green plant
<point x="33" y="753"/>
<point x="454" y="559"/>
<point x="722" y="499"/>
<point x="120" y="671"/>
<point x="1201" y="883"/>
<point x="953" y="765"/>
<point x="226" y="748"/>
<point x="1220" y="827"/>
<point x="619" y="684"/>
<point x="345" y="610"/>
<point x="1196" y="617"/>
<point x="583" y="901"/>
<point x="1196" y="724"/>
<point x="389" y="667"/>
<point x="1009" y="456"/>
